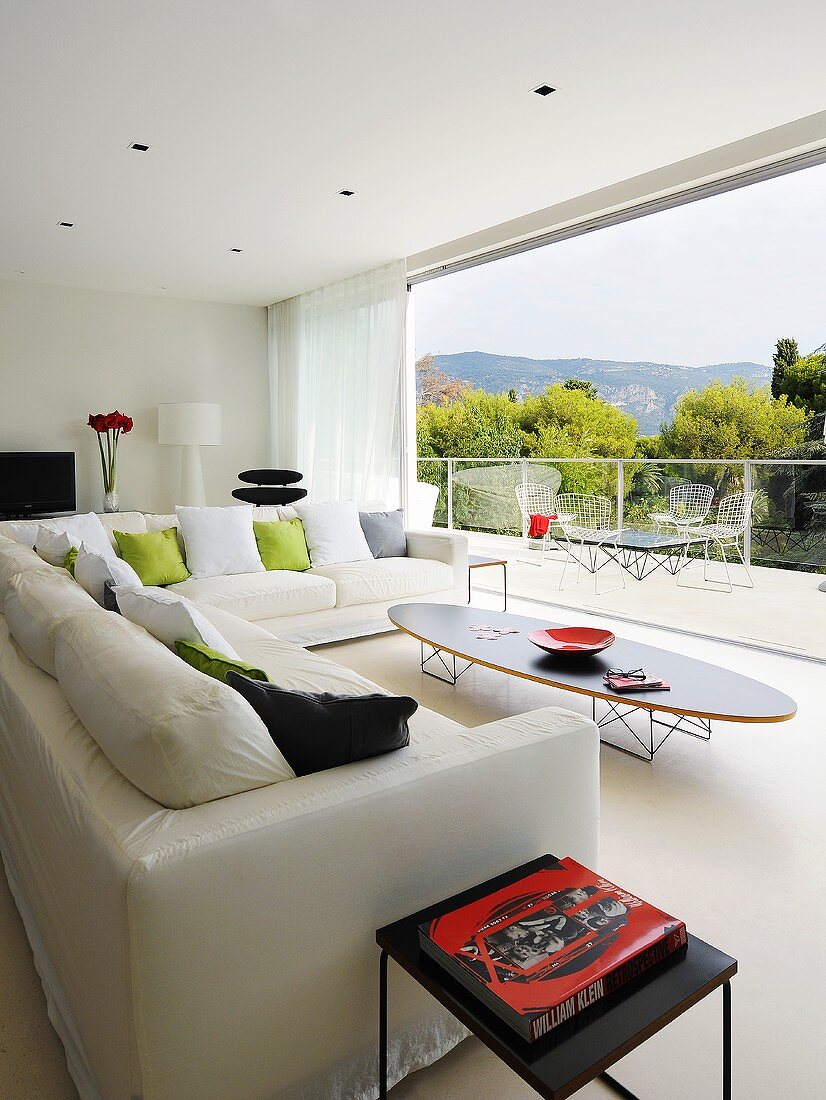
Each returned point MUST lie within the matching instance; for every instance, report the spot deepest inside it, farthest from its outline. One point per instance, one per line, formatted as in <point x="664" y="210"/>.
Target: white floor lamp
<point x="190" y="426"/>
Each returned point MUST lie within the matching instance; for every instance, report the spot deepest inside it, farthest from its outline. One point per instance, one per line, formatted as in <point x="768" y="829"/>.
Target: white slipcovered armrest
<point x="447" y="546"/>
<point x="280" y="891"/>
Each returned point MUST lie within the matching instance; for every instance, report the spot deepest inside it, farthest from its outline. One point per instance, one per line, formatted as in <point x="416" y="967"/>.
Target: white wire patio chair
<point x="729" y="528"/>
<point x="586" y="519"/>
<point x="535" y="499"/>
<point x="688" y="506"/>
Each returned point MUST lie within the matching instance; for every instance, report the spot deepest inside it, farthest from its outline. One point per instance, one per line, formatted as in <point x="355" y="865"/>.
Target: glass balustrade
<point x="788" y="525"/>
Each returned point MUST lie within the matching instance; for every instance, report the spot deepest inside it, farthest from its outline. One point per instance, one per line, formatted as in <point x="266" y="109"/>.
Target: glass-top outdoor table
<point x="640" y="553"/>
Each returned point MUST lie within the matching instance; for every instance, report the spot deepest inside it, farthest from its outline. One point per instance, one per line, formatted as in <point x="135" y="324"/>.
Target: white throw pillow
<point x="77" y="529"/>
<point x="53" y="546"/>
<point x="35" y="604"/>
<point x="15" y="559"/>
<point x="333" y="532"/>
<point x="93" y="570"/>
<point x="179" y="736"/>
<point x="219" y="541"/>
<point x="170" y="618"/>
<point x="24" y="533"/>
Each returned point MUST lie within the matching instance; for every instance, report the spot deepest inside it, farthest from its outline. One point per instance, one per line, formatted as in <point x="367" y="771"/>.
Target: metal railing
<point x="788" y="527"/>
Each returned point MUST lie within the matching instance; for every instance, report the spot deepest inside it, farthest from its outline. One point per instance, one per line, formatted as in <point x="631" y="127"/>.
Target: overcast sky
<point x="716" y="281"/>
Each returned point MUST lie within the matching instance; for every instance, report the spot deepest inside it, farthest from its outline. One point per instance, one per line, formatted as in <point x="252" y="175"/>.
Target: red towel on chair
<point x="539" y="526"/>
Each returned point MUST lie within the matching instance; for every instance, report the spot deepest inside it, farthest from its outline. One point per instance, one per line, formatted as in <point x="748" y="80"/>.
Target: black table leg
<point x="727" y="1041"/>
<point x="621" y="1090"/>
<point x="383" y="1026"/>
<point x="617" y="1087"/>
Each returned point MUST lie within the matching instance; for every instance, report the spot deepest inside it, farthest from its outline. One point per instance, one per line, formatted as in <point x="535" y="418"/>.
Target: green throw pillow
<point x="155" y="556"/>
<point x="70" y="559"/>
<point x="214" y="663"/>
<point x="282" y="544"/>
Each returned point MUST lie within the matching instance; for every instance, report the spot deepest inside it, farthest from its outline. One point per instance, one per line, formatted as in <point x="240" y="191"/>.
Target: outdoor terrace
<point x="785" y="544"/>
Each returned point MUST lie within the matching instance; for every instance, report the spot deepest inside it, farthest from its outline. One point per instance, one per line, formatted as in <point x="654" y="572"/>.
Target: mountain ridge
<point x="645" y="389"/>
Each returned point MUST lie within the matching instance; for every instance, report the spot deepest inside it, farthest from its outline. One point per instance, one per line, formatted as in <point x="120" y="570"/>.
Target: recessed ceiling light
<point x="346" y="193"/>
<point x="66" y="225"/>
<point x="544" y="89"/>
<point x="236" y="250"/>
<point x="139" y="147"/>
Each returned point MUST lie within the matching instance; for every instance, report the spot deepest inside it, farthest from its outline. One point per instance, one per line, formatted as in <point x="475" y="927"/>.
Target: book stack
<point x="549" y="946"/>
<point x="631" y="683"/>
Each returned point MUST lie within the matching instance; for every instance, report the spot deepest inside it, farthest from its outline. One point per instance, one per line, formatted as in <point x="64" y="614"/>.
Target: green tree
<point x="562" y="419"/>
<point x="477" y="425"/>
<point x="649" y="446"/>
<point x="804" y="383"/>
<point x="588" y="388"/>
<point x="731" y="421"/>
<point x="785" y="355"/>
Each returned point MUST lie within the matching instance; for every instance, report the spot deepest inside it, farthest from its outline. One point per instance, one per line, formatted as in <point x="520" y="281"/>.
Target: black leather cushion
<point x="269" y="494"/>
<point x="270" y="477"/>
<point x="110" y="600"/>
<point x="316" y="732"/>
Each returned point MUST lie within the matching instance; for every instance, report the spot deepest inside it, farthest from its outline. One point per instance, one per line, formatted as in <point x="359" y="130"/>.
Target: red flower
<point x="110" y="422"/>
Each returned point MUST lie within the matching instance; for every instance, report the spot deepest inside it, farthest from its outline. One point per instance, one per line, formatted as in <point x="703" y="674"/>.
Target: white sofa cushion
<point x="25" y="532"/>
<point x="219" y="541"/>
<point x="14" y="559"/>
<point x="170" y="618"/>
<point x="36" y="603"/>
<point x="179" y="736"/>
<point x="382" y="579"/>
<point x="261" y="595"/>
<point x="333" y="532"/>
<point x="92" y="571"/>
<point x="53" y="546"/>
<point x="132" y="522"/>
<point x="77" y="529"/>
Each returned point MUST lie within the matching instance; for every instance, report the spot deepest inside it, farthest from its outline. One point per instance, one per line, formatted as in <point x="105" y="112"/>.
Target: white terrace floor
<point x="785" y="611"/>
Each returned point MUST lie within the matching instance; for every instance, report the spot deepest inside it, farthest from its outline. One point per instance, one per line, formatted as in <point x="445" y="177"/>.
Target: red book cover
<point x="550" y="945"/>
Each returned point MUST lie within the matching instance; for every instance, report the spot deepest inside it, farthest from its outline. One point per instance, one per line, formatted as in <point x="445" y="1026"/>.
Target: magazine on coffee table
<point x="552" y="944"/>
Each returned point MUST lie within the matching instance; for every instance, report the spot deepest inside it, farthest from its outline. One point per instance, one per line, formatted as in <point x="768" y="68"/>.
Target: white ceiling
<point x="259" y="111"/>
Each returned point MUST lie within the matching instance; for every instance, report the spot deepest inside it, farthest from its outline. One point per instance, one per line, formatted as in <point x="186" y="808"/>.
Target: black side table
<point x="478" y="561"/>
<point x="583" y="1049"/>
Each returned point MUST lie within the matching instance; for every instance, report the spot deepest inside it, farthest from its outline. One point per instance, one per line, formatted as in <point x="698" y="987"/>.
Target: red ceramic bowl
<point x="572" y="639"/>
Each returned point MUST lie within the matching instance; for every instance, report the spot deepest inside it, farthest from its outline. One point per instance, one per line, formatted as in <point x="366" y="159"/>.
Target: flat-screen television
<point x="36" y="483"/>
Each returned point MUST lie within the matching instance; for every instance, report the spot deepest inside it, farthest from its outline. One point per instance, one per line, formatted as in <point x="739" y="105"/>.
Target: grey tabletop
<point x="630" y="539"/>
<point x="698" y="688"/>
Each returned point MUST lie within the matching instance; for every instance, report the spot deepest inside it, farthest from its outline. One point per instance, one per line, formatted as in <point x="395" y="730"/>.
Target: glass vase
<point x="111" y="501"/>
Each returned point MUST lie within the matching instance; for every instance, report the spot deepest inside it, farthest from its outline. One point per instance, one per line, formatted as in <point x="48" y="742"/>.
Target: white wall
<point x="65" y="353"/>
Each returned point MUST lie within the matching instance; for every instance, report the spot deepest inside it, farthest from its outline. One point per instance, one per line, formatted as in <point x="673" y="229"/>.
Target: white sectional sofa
<point x="227" y="950"/>
<point x="326" y="604"/>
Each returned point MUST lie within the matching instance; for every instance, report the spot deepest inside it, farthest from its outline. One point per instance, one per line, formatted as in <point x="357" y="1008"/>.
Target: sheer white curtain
<point x="336" y="359"/>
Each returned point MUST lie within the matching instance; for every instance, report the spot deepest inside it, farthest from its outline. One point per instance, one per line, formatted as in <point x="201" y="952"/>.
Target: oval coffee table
<point x="700" y="692"/>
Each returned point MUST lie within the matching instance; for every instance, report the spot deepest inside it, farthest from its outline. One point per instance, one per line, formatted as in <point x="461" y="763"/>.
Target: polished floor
<point x="728" y="835"/>
<point x="784" y="611"/>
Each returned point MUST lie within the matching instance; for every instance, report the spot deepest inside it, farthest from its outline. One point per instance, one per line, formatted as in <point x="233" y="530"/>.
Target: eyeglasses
<point x="633" y="674"/>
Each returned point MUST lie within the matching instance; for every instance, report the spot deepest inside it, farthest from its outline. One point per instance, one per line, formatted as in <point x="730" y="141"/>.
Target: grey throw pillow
<point x="384" y="532"/>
